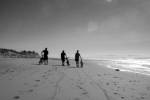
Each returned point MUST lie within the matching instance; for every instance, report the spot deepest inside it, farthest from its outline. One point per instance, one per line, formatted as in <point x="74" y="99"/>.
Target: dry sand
<point x="24" y="79"/>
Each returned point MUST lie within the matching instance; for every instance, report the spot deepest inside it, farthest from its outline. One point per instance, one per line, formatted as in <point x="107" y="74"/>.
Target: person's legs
<point x="63" y="61"/>
<point x="46" y="61"/>
<point x="77" y="63"/>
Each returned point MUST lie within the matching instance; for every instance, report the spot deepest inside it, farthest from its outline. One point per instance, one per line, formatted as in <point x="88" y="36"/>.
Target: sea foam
<point x="135" y="65"/>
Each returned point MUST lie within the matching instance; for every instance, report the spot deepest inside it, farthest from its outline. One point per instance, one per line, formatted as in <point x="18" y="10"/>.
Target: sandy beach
<point x="24" y="79"/>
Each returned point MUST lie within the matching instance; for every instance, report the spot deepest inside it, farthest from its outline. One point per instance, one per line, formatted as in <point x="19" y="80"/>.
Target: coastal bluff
<point x="18" y="54"/>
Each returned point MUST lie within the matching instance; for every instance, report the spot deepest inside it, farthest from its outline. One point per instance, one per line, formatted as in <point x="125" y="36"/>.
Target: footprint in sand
<point x="22" y="92"/>
<point x="16" y="97"/>
<point x="99" y="75"/>
<point x="122" y="97"/>
<point x="49" y="70"/>
<point x="132" y="89"/>
<point x="12" y="71"/>
<point x="105" y="74"/>
<point x="43" y="75"/>
<point x="85" y="93"/>
<point x="107" y="83"/>
<point x="45" y="72"/>
<point x="79" y="87"/>
<point x="148" y="88"/>
<point x="26" y="83"/>
<point x="35" y="85"/>
<point x="115" y="93"/>
<point x="37" y="80"/>
<point x="130" y="80"/>
<point x="142" y="97"/>
<point x="76" y="98"/>
<point x="116" y="77"/>
<point x="30" y="90"/>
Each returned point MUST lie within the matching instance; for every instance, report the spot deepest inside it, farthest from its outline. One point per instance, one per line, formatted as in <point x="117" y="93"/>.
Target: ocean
<point x="135" y="65"/>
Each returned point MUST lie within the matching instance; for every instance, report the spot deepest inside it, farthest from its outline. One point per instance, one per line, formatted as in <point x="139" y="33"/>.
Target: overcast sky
<point x="94" y="27"/>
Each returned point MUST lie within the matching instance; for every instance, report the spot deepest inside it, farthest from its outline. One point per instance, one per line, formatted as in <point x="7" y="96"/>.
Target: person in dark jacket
<point x="45" y="54"/>
<point x="63" y="57"/>
<point x="77" y="58"/>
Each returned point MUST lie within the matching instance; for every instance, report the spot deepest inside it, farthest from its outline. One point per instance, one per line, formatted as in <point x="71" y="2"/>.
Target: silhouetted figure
<point x="67" y="61"/>
<point x="45" y="56"/>
<point x="63" y="56"/>
<point x="77" y="58"/>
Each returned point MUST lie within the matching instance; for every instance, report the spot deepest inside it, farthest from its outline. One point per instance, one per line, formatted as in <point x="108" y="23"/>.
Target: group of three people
<point x="44" y="58"/>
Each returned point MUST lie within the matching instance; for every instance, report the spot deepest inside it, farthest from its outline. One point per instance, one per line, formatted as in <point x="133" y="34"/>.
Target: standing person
<point x="77" y="58"/>
<point x="45" y="56"/>
<point x="63" y="56"/>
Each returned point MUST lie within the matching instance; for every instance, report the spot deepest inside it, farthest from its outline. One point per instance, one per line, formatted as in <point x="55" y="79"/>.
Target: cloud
<point x="92" y="26"/>
<point x="109" y="0"/>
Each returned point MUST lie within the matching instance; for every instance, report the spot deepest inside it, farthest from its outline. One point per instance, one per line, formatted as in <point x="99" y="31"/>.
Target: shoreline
<point x="113" y="64"/>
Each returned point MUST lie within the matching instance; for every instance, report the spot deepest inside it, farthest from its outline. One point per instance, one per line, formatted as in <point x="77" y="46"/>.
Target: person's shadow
<point x="64" y="66"/>
<point x="36" y="64"/>
<point x="56" y="65"/>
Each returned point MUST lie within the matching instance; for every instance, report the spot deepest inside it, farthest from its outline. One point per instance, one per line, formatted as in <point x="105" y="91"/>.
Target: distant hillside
<point x="18" y="54"/>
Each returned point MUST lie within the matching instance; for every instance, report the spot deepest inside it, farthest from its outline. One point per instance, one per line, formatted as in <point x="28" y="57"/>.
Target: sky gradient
<point x="95" y="27"/>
